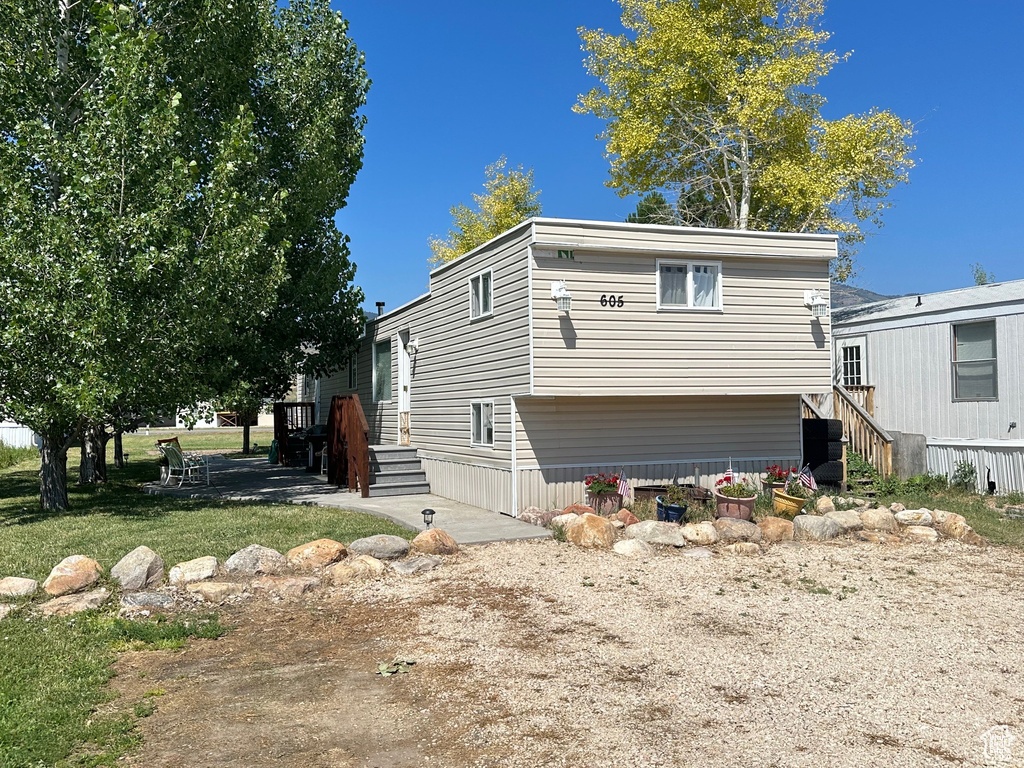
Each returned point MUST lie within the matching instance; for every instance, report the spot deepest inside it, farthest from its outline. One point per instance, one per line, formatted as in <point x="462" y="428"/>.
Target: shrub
<point x="10" y="456"/>
<point x="965" y="477"/>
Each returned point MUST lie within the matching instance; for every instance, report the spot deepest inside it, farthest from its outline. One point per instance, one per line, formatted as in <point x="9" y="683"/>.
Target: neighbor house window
<point x="689" y="285"/>
<point x="382" y="371"/>
<point x="480" y="294"/>
<point x="483" y="423"/>
<point x="353" y="372"/>
<point x="974" y="361"/>
<point x="853" y="371"/>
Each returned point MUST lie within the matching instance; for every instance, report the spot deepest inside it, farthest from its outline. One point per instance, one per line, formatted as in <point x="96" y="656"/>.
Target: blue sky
<point x="456" y="84"/>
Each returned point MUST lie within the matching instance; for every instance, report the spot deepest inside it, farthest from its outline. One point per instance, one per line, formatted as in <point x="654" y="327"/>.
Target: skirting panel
<point x="481" y="486"/>
<point x="1004" y="463"/>
<point x="17" y="436"/>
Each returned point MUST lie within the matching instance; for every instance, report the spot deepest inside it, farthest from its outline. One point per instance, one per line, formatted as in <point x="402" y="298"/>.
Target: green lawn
<point x="53" y="671"/>
<point x="987" y="521"/>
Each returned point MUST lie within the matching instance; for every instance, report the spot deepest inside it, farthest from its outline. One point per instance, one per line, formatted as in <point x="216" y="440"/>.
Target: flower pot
<point x="671" y="513"/>
<point x="604" y="503"/>
<point x="786" y="505"/>
<point x="729" y="506"/>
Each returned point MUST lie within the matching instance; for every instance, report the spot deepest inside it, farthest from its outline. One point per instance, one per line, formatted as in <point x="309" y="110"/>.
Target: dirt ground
<point x="540" y="654"/>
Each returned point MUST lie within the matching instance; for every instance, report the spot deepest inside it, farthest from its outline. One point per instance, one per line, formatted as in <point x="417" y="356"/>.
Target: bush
<point x="965" y="477"/>
<point x="10" y="456"/>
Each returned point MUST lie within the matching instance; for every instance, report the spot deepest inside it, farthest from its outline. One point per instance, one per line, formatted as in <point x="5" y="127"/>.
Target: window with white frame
<point x="689" y="285"/>
<point x="482" y="414"/>
<point x="353" y="371"/>
<point x="974" y="361"/>
<point x="853" y="366"/>
<point x="382" y="371"/>
<point x="480" y="289"/>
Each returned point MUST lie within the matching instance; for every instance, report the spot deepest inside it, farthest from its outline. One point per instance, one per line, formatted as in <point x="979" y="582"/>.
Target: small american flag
<point x="807" y="479"/>
<point x="623" y="486"/>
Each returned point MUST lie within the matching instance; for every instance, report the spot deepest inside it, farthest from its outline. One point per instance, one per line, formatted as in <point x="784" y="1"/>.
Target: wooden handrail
<point x="864" y="394"/>
<point x="863" y="433"/>
<point x="348" y="445"/>
<point x="809" y="409"/>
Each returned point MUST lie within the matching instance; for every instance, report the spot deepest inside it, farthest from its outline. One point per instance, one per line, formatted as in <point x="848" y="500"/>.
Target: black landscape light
<point x="428" y="517"/>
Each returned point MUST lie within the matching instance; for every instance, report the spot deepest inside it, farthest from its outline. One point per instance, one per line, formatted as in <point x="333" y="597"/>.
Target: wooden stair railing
<point x="863" y="433"/>
<point x="864" y="395"/>
<point x="809" y="409"/>
<point x="348" y="445"/>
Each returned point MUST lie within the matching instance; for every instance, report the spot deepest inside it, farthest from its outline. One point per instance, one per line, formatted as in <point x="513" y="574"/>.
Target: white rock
<point x="14" y="586"/>
<point x="914" y="517"/>
<point x="416" y="565"/>
<point x="921" y="533"/>
<point x="654" y="532"/>
<point x="702" y="534"/>
<point x="563" y="521"/>
<point x="813" y="528"/>
<point x="634" y="548"/>
<point x="848" y="520"/>
<point x="256" y="559"/>
<point x="193" y="570"/>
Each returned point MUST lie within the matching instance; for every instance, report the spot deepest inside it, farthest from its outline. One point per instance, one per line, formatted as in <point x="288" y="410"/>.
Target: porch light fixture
<point x="817" y="303"/>
<point x="561" y="295"/>
<point x="428" y="517"/>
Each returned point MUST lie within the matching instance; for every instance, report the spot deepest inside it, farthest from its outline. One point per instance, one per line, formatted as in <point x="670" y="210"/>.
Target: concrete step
<point x="407" y="476"/>
<point x="398" y="489"/>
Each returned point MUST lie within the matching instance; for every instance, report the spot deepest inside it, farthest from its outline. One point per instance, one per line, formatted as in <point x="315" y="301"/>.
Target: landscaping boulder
<point x="896" y="507"/>
<point x="13" y="586"/>
<point x="140" y="568"/>
<point x="434" y="541"/>
<point x="6" y="609"/>
<point x="633" y="548"/>
<point x="216" y="591"/>
<point x="776" y="529"/>
<point x="147" y="601"/>
<point x="879" y="519"/>
<point x="69" y="604"/>
<point x="813" y="528"/>
<point x="848" y="520"/>
<point x="359" y="567"/>
<point x="876" y="537"/>
<point x="824" y="505"/>
<point x="730" y="530"/>
<point x="415" y="565"/>
<point x="626" y="517"/>
<point x="700" y="553"/>
<point x="289" y="587"/>
<point x="954" y="526"/>
<point x="745" y="548"/>
<point x="256" y="559"/>
<point x="654" y="532"/>
<point x="618" y="525"/>
<point x="382" y="547"/>
<point x="577" y="509"/>
<point x="537" y="516"/>
<point x="974" y="539"/>
<point x="193" y="570"/>
<point x="316" y="554"/>
<point x="591" y="532"/>
<point x="702" y="534"/>
<point x="939" y="516"/>
<point x="72" y="574"/>
<point x="914" y="517"/>
<point x="921" y="533"/>
<point x="563" y="521"/>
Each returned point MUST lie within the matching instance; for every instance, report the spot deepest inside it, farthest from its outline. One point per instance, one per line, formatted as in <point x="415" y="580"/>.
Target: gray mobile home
<point x="562" y="348"/>
<point x="947" y="366"/>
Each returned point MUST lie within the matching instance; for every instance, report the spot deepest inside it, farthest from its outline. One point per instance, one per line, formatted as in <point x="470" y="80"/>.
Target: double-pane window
<point x="852" y="367"/>
<point x="689" y="285"/>
<point x="974" y="361"/>
<point x="482" y="414"/>
<point x="480" y="295"/>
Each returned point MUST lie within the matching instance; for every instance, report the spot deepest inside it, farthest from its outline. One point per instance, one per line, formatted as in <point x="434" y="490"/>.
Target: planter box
<point x="604" y="503"/>
<point x="739" y="508"/>
<point x="671" y="513"/>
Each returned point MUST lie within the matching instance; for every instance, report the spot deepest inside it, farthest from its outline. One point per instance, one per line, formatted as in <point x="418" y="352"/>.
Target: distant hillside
<point x="851" y="296"/>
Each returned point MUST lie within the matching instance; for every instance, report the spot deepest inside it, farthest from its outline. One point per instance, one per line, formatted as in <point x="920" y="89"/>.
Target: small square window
<point x="480" y="294"/>
<point x="852" y="367"/>
<point x="975" y="372"/>
<point x="689" y="285"/>
<point x="482" y="414"/>
<point x="382" y="371"/>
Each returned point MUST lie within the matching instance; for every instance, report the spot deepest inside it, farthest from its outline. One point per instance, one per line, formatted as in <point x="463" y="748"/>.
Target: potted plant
<point x="734" y="498"/>
<point x="672" y="505"/>
<point x="602" y="493"/>
<point x="776" y="477"/>
<point x="788" y="501"/>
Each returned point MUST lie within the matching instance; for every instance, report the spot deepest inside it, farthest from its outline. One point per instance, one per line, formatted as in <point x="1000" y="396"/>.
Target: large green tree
<point x="144" y="216"/>
<point x="715" y="102"/>
<point x="508" y="199"/>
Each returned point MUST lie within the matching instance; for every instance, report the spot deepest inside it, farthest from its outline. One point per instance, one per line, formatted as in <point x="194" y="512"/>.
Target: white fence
<point x="1003" y="460"/>
<point x="16" y="436"/>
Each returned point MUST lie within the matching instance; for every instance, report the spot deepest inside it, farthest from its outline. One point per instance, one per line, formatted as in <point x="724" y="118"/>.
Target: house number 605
<point x="610" y="300"/>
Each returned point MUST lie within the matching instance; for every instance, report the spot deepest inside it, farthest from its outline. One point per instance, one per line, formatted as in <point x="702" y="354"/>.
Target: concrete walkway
<point x="257" y="480"/>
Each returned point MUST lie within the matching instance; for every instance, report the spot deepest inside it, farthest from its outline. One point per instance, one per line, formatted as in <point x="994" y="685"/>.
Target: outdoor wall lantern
<point x="817" y="303"/>
<point x="413" y="346"/>
<point x="561" y="295"/>
<point x="428" y="517"/>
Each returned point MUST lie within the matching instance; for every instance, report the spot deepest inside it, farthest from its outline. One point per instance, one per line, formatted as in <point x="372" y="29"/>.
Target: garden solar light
<point x="817" y="303"/>
<point x="428" y="517"/>
<point x="561" y="295"/>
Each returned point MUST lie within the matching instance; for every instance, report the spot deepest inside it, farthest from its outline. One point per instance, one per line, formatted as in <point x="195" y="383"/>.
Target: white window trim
<point x="373" y="378"/>
<point x="689" y="264"/>
<point x="490" y="312"/>
<point x="471" y="442"/>
<point x="953" y="361"/>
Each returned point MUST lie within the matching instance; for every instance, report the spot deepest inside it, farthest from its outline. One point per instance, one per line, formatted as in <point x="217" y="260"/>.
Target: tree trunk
<point x="53" y="475"/>
<point x="92" y="468"/>
<point x="118" y="449"/>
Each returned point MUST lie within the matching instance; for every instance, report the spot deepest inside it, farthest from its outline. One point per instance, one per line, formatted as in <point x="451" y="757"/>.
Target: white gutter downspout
<point x="512" y="452"/>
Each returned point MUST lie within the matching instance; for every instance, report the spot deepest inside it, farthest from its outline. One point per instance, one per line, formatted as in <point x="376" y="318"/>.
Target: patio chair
<point x="185" y="466"/>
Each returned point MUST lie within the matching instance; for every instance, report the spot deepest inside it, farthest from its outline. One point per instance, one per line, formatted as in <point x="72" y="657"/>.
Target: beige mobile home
<point x="562" y="348"/>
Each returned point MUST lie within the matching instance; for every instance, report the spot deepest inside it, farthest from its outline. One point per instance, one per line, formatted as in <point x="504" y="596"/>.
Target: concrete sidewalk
<point x="257" y="480"/>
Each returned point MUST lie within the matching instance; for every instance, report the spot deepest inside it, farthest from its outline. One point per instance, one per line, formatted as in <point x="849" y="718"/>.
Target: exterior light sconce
<point x="561" y="295"/>
<point x="817" y="303"/>
<point x="428" y="517"/>
<point x="413" y="346"/>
